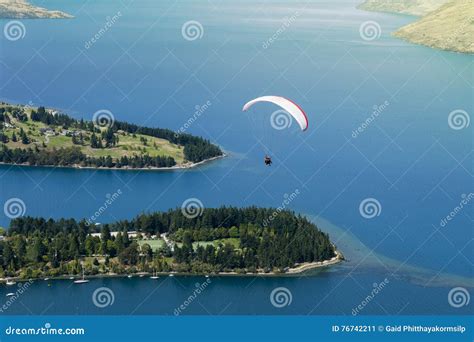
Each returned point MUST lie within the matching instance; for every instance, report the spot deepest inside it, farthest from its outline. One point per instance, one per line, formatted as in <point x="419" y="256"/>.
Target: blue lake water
<point x="144" y="71"/>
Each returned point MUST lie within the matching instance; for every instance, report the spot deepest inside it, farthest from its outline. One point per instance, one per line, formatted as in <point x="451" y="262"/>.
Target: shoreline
<point x="307" y="266"/>
<point x="25" y="10"/>
<point x="184" y="166"/>
<point x="294" y="271"/>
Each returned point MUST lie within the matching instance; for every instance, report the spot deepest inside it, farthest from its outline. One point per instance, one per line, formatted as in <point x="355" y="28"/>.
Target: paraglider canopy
<point x="287" y="105"/>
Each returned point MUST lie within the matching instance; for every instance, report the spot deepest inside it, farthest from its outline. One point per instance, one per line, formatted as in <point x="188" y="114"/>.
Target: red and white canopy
<point x="287" y="105"/>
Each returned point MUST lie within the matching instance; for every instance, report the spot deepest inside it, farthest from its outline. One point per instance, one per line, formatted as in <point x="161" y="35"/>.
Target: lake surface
<point x="144" y="71"/>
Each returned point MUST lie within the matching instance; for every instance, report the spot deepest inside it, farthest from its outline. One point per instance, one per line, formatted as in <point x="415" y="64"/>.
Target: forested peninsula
<point x="224" y="240"/>
<point x="46" y="137"/>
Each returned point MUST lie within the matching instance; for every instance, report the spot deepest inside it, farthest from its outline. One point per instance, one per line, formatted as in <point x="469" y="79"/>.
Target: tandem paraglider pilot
<point x="268" y="160"/>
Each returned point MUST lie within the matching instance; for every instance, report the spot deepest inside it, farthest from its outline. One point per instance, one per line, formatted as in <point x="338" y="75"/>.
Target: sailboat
<point x="154" y="276"/>
<point x="83" y="280"/>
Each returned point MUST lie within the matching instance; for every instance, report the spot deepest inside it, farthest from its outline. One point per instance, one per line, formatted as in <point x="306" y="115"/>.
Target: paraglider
<point x="288" y="106"/>
<point x="267" y="160"/>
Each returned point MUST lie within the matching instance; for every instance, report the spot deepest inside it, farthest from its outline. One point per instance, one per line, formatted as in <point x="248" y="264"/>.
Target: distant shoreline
<point x="442" y="25"/>
<point x="295" y="271"/>
<point x="25" y="10"/>
<point x="184" y="166"/>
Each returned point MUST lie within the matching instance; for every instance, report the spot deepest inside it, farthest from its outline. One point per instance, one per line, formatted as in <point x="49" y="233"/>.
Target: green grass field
<point x="128" y="144"/>
<point x="154" y="244"/>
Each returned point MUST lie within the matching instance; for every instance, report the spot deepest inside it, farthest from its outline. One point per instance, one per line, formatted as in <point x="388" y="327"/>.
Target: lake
<point x="146" y="69"/>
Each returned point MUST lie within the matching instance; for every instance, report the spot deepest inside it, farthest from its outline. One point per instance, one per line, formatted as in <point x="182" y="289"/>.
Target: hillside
<point x="451" y="27"/>
<point x="20" y="9"/>
<point x="411" y="7"/>
<point x="39" y="136"/>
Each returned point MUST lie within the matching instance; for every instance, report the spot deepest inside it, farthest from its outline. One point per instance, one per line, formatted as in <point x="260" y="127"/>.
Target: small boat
<point x="71" y="278"/>
<point x="10" y="282"/>
<point x="154" y="276"/>
<point x="171" y="275"/>
<point x="9" y="294"/>
<point x="46" y="279"/>
<point x="81" y="281"/>
<point x="129" y="276"/>
<point x="207" y="275"/>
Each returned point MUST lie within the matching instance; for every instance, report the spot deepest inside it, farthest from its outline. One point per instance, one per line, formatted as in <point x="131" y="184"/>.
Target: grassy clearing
<point x="154" y="244"/>
<point x="128" y="145"/>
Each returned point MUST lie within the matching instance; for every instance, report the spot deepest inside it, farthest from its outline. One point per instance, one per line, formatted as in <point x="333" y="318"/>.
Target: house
<point x="131" y="234"/>
<point x="46" y="131"/>
<point x="69" y="133"/>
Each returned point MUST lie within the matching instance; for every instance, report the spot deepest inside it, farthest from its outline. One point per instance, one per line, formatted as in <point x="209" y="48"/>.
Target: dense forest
<point x="195" y="149"/>
<point x="35" y="247"/>
<point x="71" y="156"/>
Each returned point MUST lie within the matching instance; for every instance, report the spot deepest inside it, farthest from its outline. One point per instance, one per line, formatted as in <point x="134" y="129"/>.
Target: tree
<point x="94" y="141"/>
<point x="234" y="232"/>
<point x="24" y="138"/>
<point x="147" y="251"/>
<point x="129" y="255"/>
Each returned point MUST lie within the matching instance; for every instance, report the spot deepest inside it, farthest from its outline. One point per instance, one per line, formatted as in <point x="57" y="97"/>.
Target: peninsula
<point x="225" y="241"/>
<point x="20" y="9"/>
<point x="443" y="24"/>
<point x="450" y="27"/>
<point x="410" y="7"/>
<point x="47" y="137"/>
